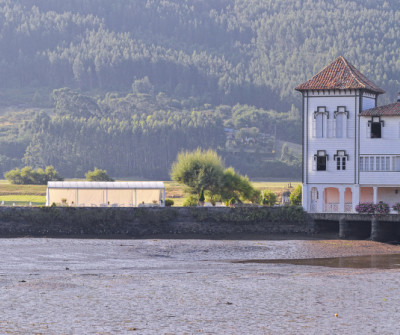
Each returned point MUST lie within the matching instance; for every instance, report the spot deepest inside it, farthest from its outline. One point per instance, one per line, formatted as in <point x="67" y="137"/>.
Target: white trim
<point x="107" y="184"/>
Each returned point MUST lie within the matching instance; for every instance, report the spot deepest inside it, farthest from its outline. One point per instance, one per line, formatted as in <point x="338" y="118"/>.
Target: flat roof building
<point x="105" y="194"/>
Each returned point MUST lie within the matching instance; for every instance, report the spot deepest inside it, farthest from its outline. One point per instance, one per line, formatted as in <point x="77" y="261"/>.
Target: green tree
<point x="269" y="198"/>
<point x="239" y="187"/>
<point x="27" y="176"/>
<point x="200" y="169"/>
<point x="203" y="171"/>
<point x="295" y="197"/>
<point x="98" y="175"/>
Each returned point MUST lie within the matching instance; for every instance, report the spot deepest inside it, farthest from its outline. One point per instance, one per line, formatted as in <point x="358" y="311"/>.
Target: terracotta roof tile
<point x="341" y="75"/>
<point x="387" y="110"/>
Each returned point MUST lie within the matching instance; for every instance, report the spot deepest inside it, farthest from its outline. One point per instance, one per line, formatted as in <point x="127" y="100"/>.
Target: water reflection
<point x="389" y="261"/>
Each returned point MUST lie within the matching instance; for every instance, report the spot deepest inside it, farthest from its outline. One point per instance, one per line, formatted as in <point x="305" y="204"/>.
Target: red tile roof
<point x="387" y="110"/>
<point x="339" y="75"/>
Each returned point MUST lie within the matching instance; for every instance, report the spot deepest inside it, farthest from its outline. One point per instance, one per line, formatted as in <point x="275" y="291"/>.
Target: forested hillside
<point x="158" y="76"/>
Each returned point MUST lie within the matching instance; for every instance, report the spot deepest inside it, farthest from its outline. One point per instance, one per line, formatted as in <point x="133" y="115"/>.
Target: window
<point x="321" y="163"/>
<point x="380" y="163"/>
<point x="376" y="131"/>
<point x="320" y="122"/>
<point x="339" y="125"/>
<point x="341" y="159"/>
<point x="341" y="116"/>
<point x="340" y="163"/>
<point x="320" y="159"/>
<point x="376" y="127"/>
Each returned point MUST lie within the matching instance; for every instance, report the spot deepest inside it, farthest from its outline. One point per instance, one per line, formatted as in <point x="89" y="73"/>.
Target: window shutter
<point x="314" y="164"/>
<point x="332" y="128"/>
<point x="368" y="130"/>
<point x="314" y="128"/>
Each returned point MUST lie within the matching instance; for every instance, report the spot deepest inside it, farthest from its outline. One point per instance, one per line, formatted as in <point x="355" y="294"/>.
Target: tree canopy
<point x="203" y="170"/>
<point x="98" y="175"/>
<point x="27" y="175"/>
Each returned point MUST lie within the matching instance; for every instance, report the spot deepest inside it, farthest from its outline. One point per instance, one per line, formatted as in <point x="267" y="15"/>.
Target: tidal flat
<point x="165" y="286"/>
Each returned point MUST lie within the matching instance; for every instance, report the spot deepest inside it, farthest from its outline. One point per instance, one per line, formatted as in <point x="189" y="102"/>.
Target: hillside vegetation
<point x="129" y="84"/>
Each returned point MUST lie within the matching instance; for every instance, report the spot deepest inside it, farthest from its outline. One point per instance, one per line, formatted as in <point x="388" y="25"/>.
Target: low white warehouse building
<point x="105" y="194"/>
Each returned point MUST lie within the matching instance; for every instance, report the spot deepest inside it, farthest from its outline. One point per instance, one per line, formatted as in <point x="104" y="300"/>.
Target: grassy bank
<point x="22" y="195"/>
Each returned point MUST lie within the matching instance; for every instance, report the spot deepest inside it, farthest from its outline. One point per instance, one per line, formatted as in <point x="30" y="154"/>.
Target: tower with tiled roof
<point x="335" y="102"/>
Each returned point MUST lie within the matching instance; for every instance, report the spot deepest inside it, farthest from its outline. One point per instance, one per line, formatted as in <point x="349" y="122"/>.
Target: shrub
<point x="381" y="208"/>
<point x="396" y="207"/>
<point x="190" y="201"/>
<point x="269" y="198"/>
<point x="169" y="202"/>
<point x="365" y="208"/>
<point x="29" y="176"/>
<point x="295" y="197"/>
<point x="98" y="175"/>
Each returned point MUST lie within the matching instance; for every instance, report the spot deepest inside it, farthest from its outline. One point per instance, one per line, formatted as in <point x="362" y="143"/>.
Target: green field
<point x="22" y="195"/>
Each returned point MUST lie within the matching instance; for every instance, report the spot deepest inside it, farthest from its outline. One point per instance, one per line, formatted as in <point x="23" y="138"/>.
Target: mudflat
<point x="156" y="286"/>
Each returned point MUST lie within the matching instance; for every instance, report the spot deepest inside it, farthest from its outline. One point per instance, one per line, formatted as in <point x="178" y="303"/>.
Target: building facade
<point x="351" y="147"/>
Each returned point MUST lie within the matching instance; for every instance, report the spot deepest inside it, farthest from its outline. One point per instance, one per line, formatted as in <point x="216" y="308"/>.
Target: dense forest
<point x="127" y="84"/>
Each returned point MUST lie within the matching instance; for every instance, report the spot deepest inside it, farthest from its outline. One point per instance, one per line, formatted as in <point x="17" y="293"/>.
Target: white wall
<point x="379" y="178"/>
<point x="390" y="141"/>
<point x="332" y="144"/>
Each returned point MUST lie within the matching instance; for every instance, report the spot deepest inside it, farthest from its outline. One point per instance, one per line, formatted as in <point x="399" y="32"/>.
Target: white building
<point x="105" y="194"/>
<point x="351" y="147"/>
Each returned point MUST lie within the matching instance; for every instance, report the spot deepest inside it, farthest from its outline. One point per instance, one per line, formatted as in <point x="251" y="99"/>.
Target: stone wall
<point x="147" y="222"/>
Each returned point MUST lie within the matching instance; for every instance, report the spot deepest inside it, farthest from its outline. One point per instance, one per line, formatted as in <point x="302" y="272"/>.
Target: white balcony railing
<point x="348" y="207"/>
<point x="332" y="207"/>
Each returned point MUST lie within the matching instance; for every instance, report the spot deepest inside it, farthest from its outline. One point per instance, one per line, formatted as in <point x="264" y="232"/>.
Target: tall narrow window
<point x="371" y="163"/>
<point x="320" y="122"/>
<point x="341" y="116"/>
<point x="341" y="159"/>
<point x="361" y="163"/>
<point x="321" y="163"/>
<point x="320" y="158"/>
<point x="376" y="127"/>
<point x="339" y="125"/>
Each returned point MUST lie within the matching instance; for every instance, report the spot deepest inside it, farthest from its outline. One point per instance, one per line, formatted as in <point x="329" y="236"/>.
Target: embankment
<point x="147" y="222"/>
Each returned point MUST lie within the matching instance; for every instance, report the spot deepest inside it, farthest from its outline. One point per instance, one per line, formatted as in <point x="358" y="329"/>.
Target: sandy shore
<point x="56" y="286"/>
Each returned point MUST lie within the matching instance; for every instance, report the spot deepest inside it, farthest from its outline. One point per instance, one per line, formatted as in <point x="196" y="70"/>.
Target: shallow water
<point x="62" y="286"/>
<point x="391" y="261"/>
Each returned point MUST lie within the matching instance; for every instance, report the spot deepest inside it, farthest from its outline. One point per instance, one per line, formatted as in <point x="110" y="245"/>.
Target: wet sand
<point x="57" y="286"/>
